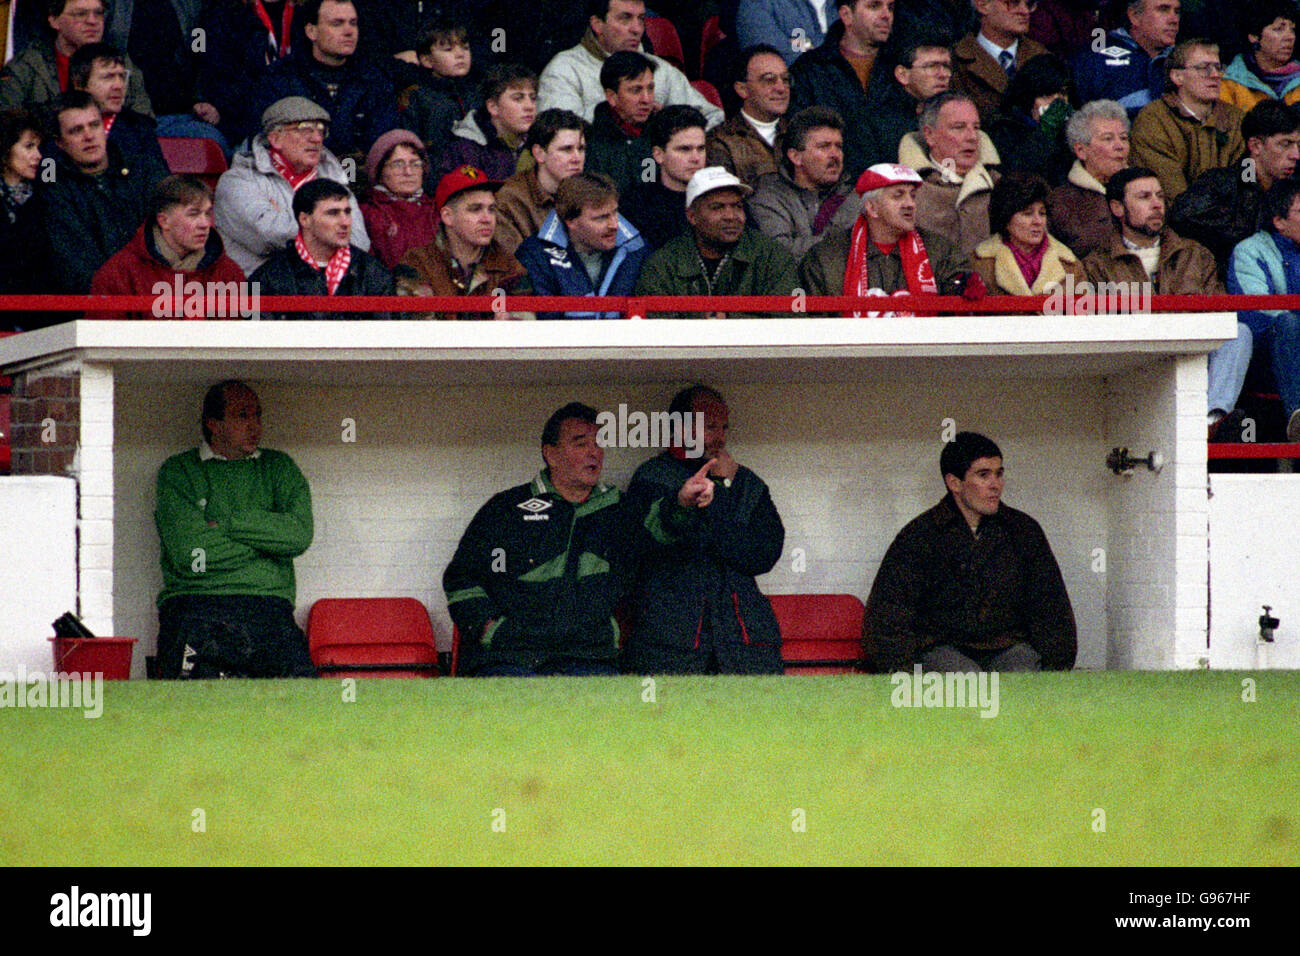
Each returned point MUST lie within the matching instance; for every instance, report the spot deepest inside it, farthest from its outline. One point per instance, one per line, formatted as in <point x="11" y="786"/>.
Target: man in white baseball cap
<point x="885" y="253"/>
<point x="719" y="255"/>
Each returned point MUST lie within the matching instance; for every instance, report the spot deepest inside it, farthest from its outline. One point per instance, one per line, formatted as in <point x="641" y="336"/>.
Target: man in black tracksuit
<point x="534" y="581"/>
<point x="702" y="611"/>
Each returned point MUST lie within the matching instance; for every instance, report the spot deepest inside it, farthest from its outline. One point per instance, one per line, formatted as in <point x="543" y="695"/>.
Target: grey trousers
<point x="946" y="658"/>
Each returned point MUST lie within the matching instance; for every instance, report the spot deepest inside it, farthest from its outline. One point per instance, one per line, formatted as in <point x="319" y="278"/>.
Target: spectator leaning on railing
<point x="464" y="257"/>
<point x="1021" y="257"/>
<point x="584" y="247"/>
<point x="176" y="240"/>
<point x="719" y="255"/>
<point x="320" y="260"/>
<point x="885" y="254"/>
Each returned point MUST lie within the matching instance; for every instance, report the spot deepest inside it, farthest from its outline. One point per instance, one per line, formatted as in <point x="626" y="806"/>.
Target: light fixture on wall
<point x="1122" y="463"/>
<point x="1268" y="624"/>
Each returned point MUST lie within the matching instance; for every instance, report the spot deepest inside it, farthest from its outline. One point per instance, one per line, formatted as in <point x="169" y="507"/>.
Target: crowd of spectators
<point x="1009" y="145"/>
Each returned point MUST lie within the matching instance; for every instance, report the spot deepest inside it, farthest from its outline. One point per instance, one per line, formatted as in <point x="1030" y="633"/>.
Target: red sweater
<point x="136" y="268"/>
<point x="396" y="226"/>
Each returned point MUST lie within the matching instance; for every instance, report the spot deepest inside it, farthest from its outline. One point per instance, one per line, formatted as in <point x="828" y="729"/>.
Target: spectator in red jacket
<point x="175" y="248"/>
<point x="399" y="214"/>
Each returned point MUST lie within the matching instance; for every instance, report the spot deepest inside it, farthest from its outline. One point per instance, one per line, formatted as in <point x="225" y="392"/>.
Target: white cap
<point x="708" y="179"/>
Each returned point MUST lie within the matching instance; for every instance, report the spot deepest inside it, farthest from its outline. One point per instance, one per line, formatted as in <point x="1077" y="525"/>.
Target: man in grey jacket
<point x="807" y="197"/>
<point x="571" y="81"/>
<point x="254" y="198"/>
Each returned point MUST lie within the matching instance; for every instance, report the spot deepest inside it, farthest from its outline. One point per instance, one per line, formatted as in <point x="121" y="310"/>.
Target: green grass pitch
<point x="714" y="771"/>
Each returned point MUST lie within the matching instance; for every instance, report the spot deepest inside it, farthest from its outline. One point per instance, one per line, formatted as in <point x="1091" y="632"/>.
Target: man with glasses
<point x="923" y="70"/>
<point x="254" y="198"/>
<point x="1189" y="130"/>
<point x="100" y="70"/>
<point x="985" y="60"/>
<point x="40" y="73"/>
<point x="745" y="145"/>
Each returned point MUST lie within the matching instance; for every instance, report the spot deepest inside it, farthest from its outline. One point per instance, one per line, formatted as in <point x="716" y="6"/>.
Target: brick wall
<point x="45" y="417"/>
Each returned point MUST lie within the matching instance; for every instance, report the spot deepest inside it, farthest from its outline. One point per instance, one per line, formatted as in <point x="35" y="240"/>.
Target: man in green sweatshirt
<point x="231" y="517"/>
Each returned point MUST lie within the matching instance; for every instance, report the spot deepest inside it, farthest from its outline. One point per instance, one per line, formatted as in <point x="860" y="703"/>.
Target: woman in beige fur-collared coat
<point x="1020" y="258"/>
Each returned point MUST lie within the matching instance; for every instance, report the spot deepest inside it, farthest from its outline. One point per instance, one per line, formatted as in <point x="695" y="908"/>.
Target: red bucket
<point x="109" y="656"/>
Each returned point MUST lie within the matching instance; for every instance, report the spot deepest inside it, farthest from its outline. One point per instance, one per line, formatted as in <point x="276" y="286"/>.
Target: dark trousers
<point x="201" y="636"/>
<point x="554" y="667"/>
<point x="948" y="659"/>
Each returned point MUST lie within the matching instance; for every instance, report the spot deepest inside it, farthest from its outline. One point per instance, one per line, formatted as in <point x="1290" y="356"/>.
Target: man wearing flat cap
<point x="884" y="253"/>
<point x="719" y="255"/>
<point x="254" y="198"/>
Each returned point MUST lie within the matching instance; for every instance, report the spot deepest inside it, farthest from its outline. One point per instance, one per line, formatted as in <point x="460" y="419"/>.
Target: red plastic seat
<point x="709" y="38"/>
<point x="372" y="637"/>
<point x="709" y="92"/>
<point x="820" y="633"/>
<point x="195" y="156"/>
<point x="665" y="42"/>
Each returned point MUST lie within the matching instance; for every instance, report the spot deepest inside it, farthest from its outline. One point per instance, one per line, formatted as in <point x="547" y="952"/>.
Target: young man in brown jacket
<point x="971" y="584"/>
<point x="464" y="258"/>
<point x="1189" y="130"/>
<point x="557" y="141"/>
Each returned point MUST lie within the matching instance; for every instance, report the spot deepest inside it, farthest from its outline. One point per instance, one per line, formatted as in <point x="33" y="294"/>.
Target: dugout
<point x="842" y="417"/>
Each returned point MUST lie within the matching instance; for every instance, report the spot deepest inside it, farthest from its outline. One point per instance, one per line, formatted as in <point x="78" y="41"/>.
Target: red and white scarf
<point x="109" y="120"/>
<point x="282" y="167"/>
<point x="273" y="52"/>
<point x="916" y="265"/>
<point x="335" y="269"/>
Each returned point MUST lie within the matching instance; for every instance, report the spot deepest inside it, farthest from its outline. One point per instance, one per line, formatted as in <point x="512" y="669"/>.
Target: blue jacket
<point x="1123" y="72"/>
<point x="554" y="269"/>
<point x="789" y="25"/>
<point x="1265" y="264"/>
